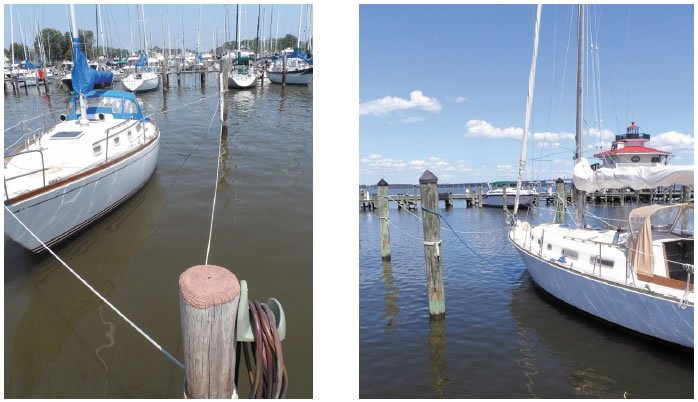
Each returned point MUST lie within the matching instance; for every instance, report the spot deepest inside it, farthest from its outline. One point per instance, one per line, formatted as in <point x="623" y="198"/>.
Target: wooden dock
<point x="405" y="200"/>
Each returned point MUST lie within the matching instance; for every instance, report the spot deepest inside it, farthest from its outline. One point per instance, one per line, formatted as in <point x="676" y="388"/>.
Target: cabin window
<point x="116" y="140"/>
<point x="570" y="253"/>
<point x="129" y="134"/>
<point x="130" y="107"/>
<point x="550" y="246"/>
<point x="635" y="158"/>
<point x="655" y="159"/>
<point x="97" y="149"/>
<point x="597" y="260"/>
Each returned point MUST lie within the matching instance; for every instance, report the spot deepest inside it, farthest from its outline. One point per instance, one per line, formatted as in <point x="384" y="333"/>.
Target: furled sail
<point x="636" y="177"/>
<point x="84" y="78"/>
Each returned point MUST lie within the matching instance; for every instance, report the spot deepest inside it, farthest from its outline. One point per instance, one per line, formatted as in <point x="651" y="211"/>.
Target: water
<point x="501" y="336"/>
<point x="61" y="341"/>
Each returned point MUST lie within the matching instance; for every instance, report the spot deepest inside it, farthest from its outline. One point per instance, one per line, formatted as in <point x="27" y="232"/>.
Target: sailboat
<point x="495" y="196"/>
<point x="100" y="154"/>
<point x="242" y="74"/>
<point x="143" y="78"/>
<point x="639" y="278"/>
<point x="292" y="66"/>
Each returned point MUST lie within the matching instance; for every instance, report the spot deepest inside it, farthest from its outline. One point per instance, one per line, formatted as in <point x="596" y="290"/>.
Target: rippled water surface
<point x="501" y="336"/>
<point x="61" y="341"/>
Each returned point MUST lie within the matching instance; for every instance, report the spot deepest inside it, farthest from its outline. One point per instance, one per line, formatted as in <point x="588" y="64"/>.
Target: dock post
<point x="283" y="71"/>
<point x="560" y="201"/>
<point x="479" y="200"/>
<point x="432" y="244"/>
<point x="223" y="83"/>
<point x="686" y="194"/>
<point x="504" y="198"/>
<point x="46" y="84"/>
<point x="622" y="197"/>
<point x="165" y="77"/>
<point x="384" y="218"/>
<point x="203" y="77"/>
<point x="208" y="303"/>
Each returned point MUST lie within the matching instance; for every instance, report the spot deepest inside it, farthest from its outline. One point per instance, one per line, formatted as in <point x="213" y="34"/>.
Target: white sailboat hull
<point x="242" y="80"/>
<point x="299" y="77"/>
<point x="147" y="82"/>
<point x="56" y="214"/>
<point x="525" y="200"/>
<point x="653" y="315"/>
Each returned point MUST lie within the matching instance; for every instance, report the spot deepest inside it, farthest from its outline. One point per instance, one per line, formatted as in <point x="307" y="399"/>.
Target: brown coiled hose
<point x="266" y="370"/>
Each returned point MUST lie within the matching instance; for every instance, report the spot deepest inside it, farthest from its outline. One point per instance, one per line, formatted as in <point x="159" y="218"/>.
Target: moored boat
<point x="103" y="151"/>
<point x="639" y="277"/>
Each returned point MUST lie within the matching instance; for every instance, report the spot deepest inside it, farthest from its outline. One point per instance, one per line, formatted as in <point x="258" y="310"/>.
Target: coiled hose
<point x="265" y="370"/>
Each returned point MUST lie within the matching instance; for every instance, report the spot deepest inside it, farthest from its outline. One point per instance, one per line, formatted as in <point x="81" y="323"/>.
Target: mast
<point x="276" y="39"/>
<point x="579" y="133"/>
<point x="101" y="31"/>
<point x="529" y="106"/>
<point x="259" y="13"/>
<point x="145" y="36"/>
<point x="300" y="22"/>
<point x="237" y="29"/>
<point x="12" y="40"/>
<point x="271" y="25"/>
<point x="76" y="42"/>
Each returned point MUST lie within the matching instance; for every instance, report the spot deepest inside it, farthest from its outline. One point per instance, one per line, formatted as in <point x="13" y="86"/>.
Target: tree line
<point x="57" y="46"/>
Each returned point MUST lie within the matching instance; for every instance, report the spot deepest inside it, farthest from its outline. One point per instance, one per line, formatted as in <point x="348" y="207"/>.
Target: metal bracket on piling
<point x="244" y="329"/>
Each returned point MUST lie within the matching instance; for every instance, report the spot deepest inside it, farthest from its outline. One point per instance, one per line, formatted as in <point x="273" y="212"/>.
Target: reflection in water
<point x="164" y="100"/>
<point x="109" y="334"/>
<point x="391" y="297"/>
<point x="437" y="355"/>
<point x="528" y="361"/>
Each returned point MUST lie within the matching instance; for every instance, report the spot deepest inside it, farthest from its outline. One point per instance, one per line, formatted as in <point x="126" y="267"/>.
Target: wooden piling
<point x="479" y="200"/>
<point x="686" y="194"/>
<point x="203" y="77"/>
<point x="560" y="201"/>
<point x="46" y="84"/>
<point x="283" y="71"/>
<point x="208" y="299"/>
<point x="432" y="243"/>
<point x="165" y="76"/>
<point x="504" y="198"/>
<point x="384" y="218"/>
<point x="223" y="88"/>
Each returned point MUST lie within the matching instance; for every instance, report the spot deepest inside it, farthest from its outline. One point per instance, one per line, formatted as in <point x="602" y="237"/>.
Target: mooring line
<point x="84" y="282"/>
<point x="459" y="238"/>
<point x="215" y="191"/>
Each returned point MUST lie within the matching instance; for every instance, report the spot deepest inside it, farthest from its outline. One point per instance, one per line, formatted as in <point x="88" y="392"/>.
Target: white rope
<point x="160" y="348"/>
<point x="215" y="191"/>
<point x="183" y="106"/>
<point x="451" y="230"/>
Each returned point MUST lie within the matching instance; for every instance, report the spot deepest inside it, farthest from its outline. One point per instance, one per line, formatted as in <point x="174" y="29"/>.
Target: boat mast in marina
<point x="639" y="276"/>
<point x="580" y="200"/>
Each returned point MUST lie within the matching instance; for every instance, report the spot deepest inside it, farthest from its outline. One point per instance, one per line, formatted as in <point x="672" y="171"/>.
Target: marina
<point x="61" y="340"/>
<point x="581" y="270"/>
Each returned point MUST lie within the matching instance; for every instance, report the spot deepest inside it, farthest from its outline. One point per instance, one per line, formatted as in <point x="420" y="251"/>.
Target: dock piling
<point x="384" y="218"/>
<point x="561" y="200"/>
<point x="223" y="87"/>
<point x="208" y="299"/>
<point x="432" y="243"/>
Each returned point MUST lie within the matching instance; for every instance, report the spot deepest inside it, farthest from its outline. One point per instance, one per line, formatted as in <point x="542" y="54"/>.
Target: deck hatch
<point x="67" y="135"/>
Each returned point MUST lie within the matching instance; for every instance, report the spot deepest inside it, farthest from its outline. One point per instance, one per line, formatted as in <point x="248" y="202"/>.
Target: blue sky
<point x="116" y="17"/>
<point x="444" y="87"/>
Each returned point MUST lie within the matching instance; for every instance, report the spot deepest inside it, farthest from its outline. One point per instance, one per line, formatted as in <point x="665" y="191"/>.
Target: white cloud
<point x="482" y="128"/>
<point x="672" y="141"/>
<point x="460" y="99"/>
<point x="413" y="119"/>
<point x="383" y="106"/>
<point x="504" y="167"/>
<point x="383" y="165"/>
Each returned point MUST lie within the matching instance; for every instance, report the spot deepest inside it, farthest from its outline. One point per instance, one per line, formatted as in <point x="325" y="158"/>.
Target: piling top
<point x="203" y="286"/>
<point x="559" y="180"/>
<point x="382" y="183"/>
<point x="428" y="178"/>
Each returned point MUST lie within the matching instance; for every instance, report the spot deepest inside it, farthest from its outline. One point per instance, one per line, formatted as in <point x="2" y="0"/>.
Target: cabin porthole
<point x="97" y="149"/>
<point x="116" y="140"/>
<point x="550" y="246"/>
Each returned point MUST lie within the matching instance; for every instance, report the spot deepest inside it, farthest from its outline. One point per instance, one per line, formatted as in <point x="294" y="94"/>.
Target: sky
<point x="116" y="20"/>
<point x="443" y="87"/>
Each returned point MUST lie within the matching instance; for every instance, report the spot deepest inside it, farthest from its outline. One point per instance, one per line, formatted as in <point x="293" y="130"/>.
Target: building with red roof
<point x="629" y="150"/>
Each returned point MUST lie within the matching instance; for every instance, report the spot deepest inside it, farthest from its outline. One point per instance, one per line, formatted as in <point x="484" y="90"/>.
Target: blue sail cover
<point x="142" y="61"/>
<point x="84" y="78"/>
<point x="28" y="64"/>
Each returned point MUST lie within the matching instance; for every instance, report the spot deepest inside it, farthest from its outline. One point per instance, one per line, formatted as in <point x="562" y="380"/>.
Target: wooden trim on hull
<point x="78" y="176"/>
